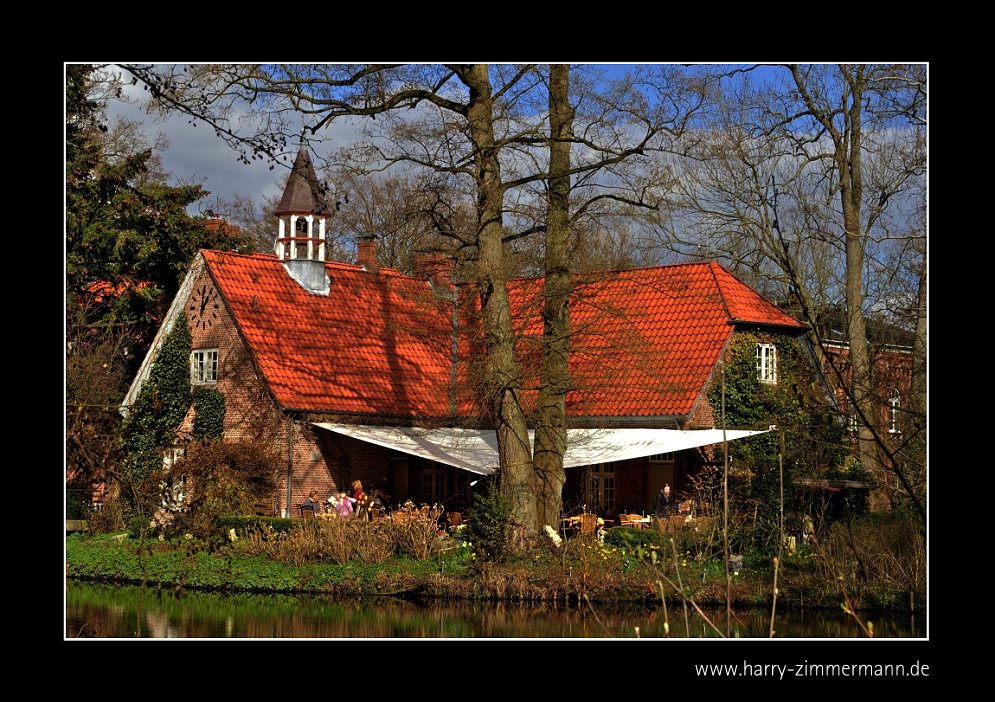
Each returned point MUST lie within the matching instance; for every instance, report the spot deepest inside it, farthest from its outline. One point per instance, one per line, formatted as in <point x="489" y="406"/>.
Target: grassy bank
<point x="618" y="571"/>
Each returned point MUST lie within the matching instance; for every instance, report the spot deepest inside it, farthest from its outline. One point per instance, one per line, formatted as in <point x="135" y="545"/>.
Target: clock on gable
<point x="204" y="309"/>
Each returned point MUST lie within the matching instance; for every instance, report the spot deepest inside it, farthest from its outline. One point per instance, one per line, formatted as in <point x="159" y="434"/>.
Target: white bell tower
<point x="303" y="214"/>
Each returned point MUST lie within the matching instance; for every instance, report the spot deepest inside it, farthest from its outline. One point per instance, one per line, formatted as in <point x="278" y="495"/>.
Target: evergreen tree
<point x="129" y="242"/>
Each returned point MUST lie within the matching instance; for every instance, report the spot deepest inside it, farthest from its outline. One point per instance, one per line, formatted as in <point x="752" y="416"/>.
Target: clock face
<point x="204" y="309"/>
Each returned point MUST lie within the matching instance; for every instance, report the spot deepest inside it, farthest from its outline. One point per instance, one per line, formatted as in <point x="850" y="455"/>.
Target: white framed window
<point x="662" y="457"/>
<point x="203" y="366"/>
<point x="894" y="408"/>
<point x="766" y="363"/>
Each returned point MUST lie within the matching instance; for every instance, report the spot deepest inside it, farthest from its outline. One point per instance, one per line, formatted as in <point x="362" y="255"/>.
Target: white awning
<point x="476" y="450"/>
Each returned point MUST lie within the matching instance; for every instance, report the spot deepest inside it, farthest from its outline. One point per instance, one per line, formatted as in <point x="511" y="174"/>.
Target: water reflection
<point x="104" y="611"/>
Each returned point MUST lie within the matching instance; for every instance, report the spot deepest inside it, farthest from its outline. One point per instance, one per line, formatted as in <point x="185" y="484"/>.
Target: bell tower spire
<point x="303" y="212"/>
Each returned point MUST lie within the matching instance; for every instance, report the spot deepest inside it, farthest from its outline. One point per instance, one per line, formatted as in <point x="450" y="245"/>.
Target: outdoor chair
<point x="588" y="524"/>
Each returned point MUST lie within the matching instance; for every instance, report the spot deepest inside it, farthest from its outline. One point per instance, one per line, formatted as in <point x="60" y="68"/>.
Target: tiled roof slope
<point x="376" y="344"/>
<point x="643" y="344"/>
<point x="644" y="341"/>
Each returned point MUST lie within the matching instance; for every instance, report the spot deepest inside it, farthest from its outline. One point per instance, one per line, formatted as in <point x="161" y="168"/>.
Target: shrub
<point x="415" y="537"/>
<point x="222" y="478"/>
<point x="108" y="520"/>
<point x="631" y="539"/>
<point x="883" y="551"/>
<point x="243" y="524"/>
<point x="490" y="529"/>
<point x="76" y="506"/>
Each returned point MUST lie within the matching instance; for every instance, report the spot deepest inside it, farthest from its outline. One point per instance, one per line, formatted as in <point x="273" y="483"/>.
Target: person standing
<point x="359" y="497"/>
<point x="344" y="506"/>
<point x="665" y="502"/>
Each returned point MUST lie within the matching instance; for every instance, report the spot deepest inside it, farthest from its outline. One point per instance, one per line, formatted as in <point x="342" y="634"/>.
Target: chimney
<point x="368" y="254"/>
<point x="437" y="268"/>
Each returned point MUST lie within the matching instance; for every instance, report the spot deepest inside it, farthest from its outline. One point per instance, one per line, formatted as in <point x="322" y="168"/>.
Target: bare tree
<point x="847" y="102"/>
<point x="409" y="213"/>
<point x="807" y="182"/>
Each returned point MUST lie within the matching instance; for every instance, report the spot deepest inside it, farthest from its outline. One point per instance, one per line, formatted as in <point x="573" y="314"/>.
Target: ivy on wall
<point x="159" y="409"/>
<point x="815" y="440"/>
<point x="209" y="420"/>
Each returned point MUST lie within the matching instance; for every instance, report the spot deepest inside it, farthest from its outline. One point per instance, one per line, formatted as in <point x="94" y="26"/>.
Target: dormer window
<point x="767" y="363"/>
<point x="894" y="407"/>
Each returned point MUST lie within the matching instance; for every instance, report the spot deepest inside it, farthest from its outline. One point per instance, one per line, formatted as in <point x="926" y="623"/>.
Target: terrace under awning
<point x="476" y="450"/>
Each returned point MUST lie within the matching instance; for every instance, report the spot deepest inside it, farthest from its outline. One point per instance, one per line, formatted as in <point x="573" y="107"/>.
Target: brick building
<point x="353" y="371"/>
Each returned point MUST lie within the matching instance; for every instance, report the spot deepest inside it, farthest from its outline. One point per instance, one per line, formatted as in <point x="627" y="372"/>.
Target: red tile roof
<point x="644" y="341"/>
<point x="376" y="344"/>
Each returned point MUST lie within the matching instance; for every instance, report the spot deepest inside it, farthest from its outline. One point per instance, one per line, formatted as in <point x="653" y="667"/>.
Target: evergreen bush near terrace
<point x="630" y="539"/>
<point x="489" y="531"/>
<point x="242" y="524"/>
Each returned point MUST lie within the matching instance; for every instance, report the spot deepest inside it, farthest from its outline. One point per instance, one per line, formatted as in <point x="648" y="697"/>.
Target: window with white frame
<point x="203" y="366"/>
<point x="766" y="363"/>
<point x="894" y="408"/>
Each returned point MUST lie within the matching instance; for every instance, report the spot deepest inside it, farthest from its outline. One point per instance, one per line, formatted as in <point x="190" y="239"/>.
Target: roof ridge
<point x="718" y="286"/>
<point x="342" y="265"/>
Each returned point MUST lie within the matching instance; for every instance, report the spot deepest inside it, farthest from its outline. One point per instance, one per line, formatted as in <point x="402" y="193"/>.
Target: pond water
<point x="125" y="612"/>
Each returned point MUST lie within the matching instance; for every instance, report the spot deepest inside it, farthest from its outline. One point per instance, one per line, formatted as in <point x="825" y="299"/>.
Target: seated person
<point x="312" y="503"/>
<point x="377" y="499"/>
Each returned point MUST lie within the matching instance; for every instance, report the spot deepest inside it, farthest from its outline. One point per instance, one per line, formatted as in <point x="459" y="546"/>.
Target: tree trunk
<point x="914" y="451"/>
<point x="551" y="430"/>
<point x="502" y="372"/>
